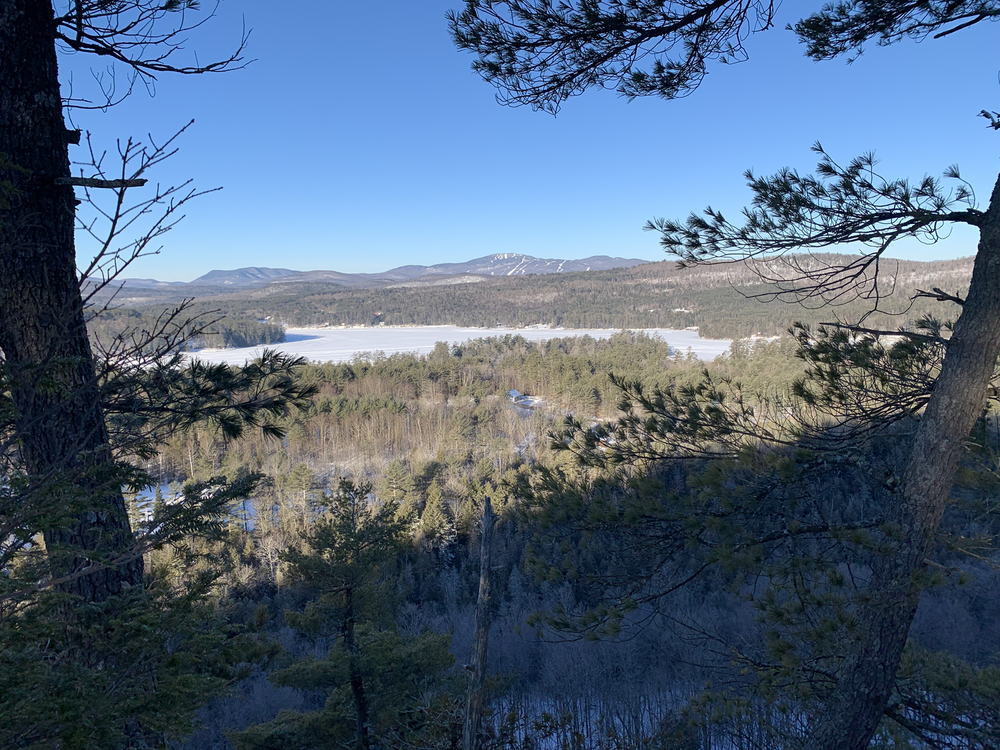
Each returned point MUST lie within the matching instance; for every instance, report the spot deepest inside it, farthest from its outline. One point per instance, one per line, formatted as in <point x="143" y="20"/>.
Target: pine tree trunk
<point x="851" y="717"/>
<point x="63" y="440"/>
<point x="477" y="680"/>
<point x="362" y="736"/>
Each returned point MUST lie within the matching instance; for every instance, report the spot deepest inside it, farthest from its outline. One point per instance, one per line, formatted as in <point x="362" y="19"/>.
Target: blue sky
<point x="359" y="140"/>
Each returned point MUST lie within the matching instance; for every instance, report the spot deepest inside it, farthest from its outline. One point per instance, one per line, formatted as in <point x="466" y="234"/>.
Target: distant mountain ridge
<point x="517" y="264"/>
<point x="250" y="276"/>
<point x="498" y="264"/>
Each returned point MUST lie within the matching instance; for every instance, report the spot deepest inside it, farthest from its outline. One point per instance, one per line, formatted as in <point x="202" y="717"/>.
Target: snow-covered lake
<point x="343" y="344"/>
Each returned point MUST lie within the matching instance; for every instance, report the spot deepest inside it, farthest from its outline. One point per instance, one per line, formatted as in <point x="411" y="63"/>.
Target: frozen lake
<point x="343" y="344"/>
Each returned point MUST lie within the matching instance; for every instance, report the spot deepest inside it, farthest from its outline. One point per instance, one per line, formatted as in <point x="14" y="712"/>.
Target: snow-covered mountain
<point x="498" y="264"/>
<point x="516" y="264"/>
<point x="243" y="276"/>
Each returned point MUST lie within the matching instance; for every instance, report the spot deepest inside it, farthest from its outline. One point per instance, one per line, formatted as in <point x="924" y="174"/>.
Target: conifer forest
<point x="570" y="544"/>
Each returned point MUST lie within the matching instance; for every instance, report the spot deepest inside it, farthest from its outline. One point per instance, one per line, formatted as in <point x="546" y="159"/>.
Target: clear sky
<point x="359" y="139"/>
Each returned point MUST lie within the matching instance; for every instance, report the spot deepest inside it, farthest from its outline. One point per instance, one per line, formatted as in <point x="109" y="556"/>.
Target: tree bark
<point x="62" y="437"/>
<point x="852" y="715"/>
<point x="362" y="736"/>
<point x="477" y="680"/>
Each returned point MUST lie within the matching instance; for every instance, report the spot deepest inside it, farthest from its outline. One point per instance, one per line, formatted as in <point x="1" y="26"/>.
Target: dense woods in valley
<point x="575" y="659"/>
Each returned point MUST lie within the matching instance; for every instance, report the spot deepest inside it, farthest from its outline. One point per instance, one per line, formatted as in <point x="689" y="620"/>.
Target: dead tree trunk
<point x="477" y="680"/>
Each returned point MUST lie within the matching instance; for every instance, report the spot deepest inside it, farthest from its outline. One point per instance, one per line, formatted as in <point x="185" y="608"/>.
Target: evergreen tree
<point x="52" y="379"/>
<point x="302" y="481"/>
<point x="115" y="664"/>
<point x="380" y="688"/>
<point x="134" y="515"/>
<point x="437" y="522"/>
<point x="159" y="506"/>
<point x="396" y="483"/>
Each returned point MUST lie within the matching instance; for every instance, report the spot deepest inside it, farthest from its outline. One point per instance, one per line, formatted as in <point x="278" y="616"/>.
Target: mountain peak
<point x="243" y="276"/>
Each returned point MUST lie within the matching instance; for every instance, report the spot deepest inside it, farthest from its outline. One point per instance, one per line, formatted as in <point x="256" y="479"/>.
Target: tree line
<point x="722" y="303"/>
<point x="189" y="328"/>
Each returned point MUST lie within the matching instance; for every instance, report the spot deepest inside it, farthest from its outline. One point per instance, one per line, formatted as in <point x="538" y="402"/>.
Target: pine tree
<point x="437" y="523"/>
<point x="381" y="688"/>
<point x="159" y="506"/>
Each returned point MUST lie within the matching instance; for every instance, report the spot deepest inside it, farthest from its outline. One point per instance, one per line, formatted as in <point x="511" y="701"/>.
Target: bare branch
<point x="93" y="182"/>
<point x="940" y="296"/>
<point x="144" y="35"/>
<point x="143" y="222"/>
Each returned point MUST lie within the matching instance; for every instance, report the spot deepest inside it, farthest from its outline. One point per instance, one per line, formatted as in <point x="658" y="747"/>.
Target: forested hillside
<point x="722" y="301"/>
<point x="425" y="440"/>
<point x="191" y="327"/>
<point x="629" y="607"/>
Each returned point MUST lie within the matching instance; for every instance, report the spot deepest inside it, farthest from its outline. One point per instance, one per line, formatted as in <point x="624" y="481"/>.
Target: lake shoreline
<point x="343" y="344"/>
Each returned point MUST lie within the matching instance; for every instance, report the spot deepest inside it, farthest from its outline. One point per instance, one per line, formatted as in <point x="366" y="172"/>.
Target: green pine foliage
<point x="378" y="687"/>
<point x="127" y="672"/>
<point x="132" y="669"/>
